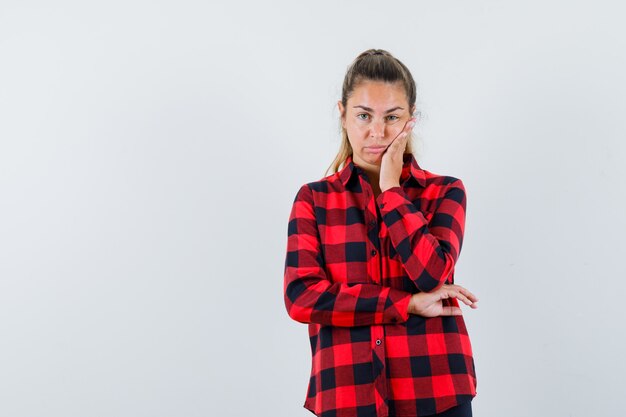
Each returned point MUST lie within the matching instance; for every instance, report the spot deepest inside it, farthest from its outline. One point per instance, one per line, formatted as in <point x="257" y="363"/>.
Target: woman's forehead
<point x="378" y="95"/>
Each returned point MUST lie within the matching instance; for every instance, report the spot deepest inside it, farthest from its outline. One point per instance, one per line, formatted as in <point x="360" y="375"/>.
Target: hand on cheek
<point x="391" y="164"/>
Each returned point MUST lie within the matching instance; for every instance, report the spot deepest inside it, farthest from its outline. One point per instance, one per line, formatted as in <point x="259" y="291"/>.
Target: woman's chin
<point x="374" y="159"/>
<point x="371" y="159"/>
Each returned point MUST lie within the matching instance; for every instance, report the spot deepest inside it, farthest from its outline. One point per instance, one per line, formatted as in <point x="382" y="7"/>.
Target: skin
<point x="377" y="113"/>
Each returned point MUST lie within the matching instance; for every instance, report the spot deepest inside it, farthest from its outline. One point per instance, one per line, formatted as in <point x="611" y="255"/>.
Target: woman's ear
<point x="341" y="113"/>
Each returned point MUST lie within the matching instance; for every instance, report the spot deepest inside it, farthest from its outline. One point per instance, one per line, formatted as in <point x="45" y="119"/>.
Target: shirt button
<point x="373" y="223"/>
<point x="373" y="252"/>
<point x="382" y="205"/>
<point x="378" y="342"/>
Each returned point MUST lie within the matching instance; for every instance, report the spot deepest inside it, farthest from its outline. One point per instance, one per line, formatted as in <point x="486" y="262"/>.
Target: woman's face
<point x="375" y="114"/>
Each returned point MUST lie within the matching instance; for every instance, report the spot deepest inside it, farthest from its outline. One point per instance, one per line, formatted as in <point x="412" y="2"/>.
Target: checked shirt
<point x="351" y="265"/>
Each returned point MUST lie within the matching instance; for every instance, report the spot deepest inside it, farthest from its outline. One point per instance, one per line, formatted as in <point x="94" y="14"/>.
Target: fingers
<point x="404" y="133"/>
<point x="407" y="129"/>
<point x="468" y="294"/>
<point x="429" y="304"/>
<point x="466" y="299"/>
<point x="409" y="125"/>
<point x="459" y="293"/>
<point x="398" y="145"/>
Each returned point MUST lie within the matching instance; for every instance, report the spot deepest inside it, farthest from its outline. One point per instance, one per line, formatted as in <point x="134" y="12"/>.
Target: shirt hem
<point x="469" y="400"/>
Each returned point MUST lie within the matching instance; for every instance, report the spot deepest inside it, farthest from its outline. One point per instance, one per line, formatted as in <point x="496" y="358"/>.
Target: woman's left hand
<point x="391" y="164"/>
<point x="430" y="304"/>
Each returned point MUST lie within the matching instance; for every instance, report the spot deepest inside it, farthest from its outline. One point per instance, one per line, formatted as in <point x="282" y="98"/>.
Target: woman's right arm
<point x="311" y="297"/>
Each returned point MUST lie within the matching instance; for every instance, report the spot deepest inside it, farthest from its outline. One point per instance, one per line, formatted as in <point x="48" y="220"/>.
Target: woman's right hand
<point x="429" y="304"/>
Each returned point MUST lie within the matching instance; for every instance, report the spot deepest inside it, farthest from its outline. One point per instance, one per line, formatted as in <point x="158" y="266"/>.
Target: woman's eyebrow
<point x="388" y="111"/>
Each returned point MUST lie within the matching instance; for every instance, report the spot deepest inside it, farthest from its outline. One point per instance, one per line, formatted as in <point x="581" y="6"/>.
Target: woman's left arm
<point x="429" y="251"/>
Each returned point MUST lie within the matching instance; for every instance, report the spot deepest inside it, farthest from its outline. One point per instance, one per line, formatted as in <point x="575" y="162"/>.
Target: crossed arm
<point x="428" y="253"/>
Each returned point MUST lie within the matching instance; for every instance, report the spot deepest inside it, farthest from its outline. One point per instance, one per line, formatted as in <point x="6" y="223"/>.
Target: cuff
<point x="397" y="305"/>
<point x="391" y="199"/>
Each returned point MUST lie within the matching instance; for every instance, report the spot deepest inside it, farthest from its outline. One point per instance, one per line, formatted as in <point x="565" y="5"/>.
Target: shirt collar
<point x="410" y="167"/>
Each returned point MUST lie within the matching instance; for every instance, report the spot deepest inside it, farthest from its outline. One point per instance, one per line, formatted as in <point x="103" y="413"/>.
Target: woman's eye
<point x="365" y="116"/>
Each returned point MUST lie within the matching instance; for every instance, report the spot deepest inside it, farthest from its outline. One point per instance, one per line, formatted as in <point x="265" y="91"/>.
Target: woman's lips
<point x="376" y="149"/>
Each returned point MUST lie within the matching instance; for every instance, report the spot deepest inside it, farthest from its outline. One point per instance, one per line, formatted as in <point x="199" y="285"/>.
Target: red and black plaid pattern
<point x="352" y="263"/>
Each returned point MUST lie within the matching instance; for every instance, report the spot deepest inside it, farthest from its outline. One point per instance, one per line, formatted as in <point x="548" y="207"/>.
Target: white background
<point x="150" y="153"/>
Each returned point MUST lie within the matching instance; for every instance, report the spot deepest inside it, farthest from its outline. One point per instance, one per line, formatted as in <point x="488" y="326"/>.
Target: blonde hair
<point x="372" y="65"/>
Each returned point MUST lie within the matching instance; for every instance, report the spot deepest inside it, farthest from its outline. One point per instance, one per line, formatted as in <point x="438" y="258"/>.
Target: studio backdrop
<point x="150" y="153"/>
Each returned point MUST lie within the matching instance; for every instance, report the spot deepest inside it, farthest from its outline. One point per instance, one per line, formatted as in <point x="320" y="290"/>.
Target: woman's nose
<point x="377" y="129"/>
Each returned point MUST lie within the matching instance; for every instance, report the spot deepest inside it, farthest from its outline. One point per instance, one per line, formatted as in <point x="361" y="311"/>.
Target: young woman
<point x="371" y="251"/>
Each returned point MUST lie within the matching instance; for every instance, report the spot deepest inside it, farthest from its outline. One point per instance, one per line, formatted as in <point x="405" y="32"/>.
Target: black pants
<point x="462" y="410"/>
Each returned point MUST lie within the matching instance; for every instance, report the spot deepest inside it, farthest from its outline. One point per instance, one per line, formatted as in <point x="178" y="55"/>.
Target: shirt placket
<point x="373" y="240"/>
<point x="374" y="269"/>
